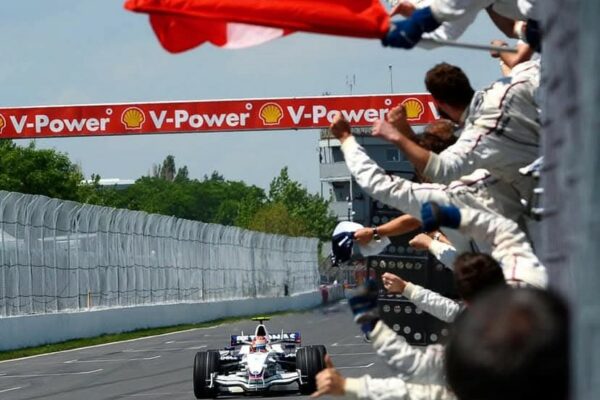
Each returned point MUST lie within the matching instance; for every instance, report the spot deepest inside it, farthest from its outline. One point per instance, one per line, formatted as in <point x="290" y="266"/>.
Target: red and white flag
<point x="181" y="25"/>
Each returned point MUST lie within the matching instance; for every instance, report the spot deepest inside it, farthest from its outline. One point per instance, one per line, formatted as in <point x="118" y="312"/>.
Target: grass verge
<point x="119" y="337"/>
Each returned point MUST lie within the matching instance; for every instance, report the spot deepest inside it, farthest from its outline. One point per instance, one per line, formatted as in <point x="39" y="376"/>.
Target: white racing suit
<point x="510" y="247"/>
<point x="444" y="252"/>
<point x="420" y="371"/>
<point x="479" y="190"/>
<point x="433" y="303"/>
<point x="449" y="30"/>
<point x="500" y="134"/>
<point x="451" y="10"/>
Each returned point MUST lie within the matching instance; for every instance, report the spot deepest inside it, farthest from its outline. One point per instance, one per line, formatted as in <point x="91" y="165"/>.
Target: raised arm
<point x="398" y="226"/>
<point x="433" y="303"/>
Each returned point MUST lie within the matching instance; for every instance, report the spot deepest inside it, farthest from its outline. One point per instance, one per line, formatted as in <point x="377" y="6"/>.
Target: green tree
<point x="309" y="208"/>
<point x="38" y="171"/>
<point x="275" y="218"/>
<point x="182" y="174"/>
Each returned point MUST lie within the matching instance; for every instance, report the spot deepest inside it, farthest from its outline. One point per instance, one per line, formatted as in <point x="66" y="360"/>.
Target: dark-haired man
<point x="500" y="127"/>
<point x="513" y="344"/>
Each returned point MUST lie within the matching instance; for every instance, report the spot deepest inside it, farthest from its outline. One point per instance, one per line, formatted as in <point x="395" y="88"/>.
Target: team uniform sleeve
<point x="433" y="303"/>
<point x="510" y="247"/>
<point x="413" y="364"/>
<point x="451" y="10"/>
<point x="394" y="191"/>
<point x="368" y="388"/>
<point x="449" y="30"/>
<point x="444" y="253"/>
<point x="391" y="190"/>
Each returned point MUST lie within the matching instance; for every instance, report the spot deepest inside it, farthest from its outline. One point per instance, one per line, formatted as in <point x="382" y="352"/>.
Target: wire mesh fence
<point x="60" y="255"/>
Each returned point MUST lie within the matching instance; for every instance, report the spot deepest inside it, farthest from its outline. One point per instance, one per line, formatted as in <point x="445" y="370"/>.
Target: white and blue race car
<point x="258" y="363"/>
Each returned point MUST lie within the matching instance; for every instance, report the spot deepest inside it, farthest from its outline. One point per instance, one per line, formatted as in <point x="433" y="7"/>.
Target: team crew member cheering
<point x="500" y="127"/>
<point x="480" y="190"/>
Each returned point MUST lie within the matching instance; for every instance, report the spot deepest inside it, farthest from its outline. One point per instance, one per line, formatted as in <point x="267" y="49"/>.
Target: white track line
<point x="351" y="354"/>
<point x="110" y="344"/>
<point x="186" y="341"/>
<point x="111" y="360"/>
<point x="154" y="394"/>
<point x="350" y="344"/>
<point x="58" y="374"/>
<point x="11" y="389"/>
<point x="357" y="366"/>
<point x="166" y="349"/>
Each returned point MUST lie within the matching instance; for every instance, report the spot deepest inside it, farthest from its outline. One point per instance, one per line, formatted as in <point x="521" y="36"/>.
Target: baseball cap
<point x="342" y="243"/>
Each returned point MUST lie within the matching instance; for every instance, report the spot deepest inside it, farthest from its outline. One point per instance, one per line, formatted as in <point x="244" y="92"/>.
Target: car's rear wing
<point x="285" y="337"/>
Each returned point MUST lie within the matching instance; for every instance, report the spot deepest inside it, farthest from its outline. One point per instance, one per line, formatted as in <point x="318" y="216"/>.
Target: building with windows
<point x="348" y="201"/>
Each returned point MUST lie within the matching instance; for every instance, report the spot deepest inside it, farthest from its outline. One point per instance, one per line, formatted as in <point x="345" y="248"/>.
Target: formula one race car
<point x="258" y="363"/>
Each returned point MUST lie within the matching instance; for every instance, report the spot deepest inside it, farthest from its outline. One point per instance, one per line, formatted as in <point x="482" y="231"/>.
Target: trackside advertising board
<point x="206" y="116"/>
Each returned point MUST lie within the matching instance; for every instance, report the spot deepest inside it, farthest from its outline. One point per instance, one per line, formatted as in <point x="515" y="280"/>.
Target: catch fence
<point x="60" y="255"/>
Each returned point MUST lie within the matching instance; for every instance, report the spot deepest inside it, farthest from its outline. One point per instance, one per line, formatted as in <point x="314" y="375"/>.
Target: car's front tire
<point x="205" y="364"/>
<point x="310" y="361"/>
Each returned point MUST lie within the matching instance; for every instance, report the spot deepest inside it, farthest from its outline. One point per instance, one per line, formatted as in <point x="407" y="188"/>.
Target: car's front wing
<point x="255" y="384"/>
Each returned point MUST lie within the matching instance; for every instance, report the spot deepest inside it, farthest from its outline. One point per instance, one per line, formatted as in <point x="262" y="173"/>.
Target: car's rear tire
<point x="310" y="361"/>
<point x="205" y="364"/>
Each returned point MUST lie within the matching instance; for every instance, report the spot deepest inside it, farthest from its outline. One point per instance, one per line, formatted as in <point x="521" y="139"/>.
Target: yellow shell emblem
<point x="2" y="123"/>
<point x="133" y="118"/>
<point x="414" y="108"/>
<point x="270" y="114"/>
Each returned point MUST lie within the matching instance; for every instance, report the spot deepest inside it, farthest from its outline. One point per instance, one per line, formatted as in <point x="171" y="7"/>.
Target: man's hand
<point x="497" y="43"/>
<point x="363" y="235"/>
<point x="399" y="120"/>
<point x="385" y="130"/>
<point x="330" y="381"/>
<point x="340" y="128"/>
<point x="404" y="8"/>
<point x="421" y="241"/>
<point x="393" y="283"/>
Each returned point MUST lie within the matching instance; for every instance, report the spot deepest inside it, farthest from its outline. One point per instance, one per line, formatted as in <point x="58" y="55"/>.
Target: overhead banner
<point x="207" y="116"/>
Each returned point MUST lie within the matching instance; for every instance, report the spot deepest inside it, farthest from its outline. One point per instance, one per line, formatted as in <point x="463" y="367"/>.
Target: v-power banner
<point x="207" y="116"/>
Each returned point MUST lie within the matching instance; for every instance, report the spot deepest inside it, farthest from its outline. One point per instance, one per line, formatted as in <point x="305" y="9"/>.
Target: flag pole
<point x="471" y="46"/>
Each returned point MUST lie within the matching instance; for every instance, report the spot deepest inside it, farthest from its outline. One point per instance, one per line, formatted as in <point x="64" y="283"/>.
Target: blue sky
<point x="93" y="51"/>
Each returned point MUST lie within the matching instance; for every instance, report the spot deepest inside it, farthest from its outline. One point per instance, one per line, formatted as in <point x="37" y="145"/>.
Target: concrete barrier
<point x="35" y="330"/>
<point x="336" y="292"/>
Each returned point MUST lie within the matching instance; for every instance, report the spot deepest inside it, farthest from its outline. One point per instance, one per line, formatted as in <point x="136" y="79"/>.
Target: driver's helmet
<point x="259" y="344"/>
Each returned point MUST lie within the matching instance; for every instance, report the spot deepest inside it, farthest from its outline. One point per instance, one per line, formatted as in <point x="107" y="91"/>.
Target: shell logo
<point x="414" y="108"/>
<point x="133" y="118"/>
<point x="2" y="123"/>
<point x="270" y="114"/>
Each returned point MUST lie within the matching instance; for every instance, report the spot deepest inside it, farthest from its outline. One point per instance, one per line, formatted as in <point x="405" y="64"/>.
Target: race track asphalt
<point x="160" y="367"/>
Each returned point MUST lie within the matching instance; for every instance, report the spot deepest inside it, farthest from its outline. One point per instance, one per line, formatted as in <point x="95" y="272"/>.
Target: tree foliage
<point x="38" y="171"/>
<point x="288" y="209"/>
<point x="309" y="208"/>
